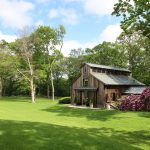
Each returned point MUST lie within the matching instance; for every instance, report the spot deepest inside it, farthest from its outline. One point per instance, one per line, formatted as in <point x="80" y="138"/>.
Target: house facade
<point x="99" y="84"/>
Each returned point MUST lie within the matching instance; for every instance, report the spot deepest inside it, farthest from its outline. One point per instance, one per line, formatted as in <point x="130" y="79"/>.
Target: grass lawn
<point x="47" y="125"/>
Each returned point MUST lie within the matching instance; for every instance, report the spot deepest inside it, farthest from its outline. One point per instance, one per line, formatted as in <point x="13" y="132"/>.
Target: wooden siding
<point x="110" y="90"/>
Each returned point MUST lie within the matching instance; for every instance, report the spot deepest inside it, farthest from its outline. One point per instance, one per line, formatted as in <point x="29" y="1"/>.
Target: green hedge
<point x="65" y="100"/>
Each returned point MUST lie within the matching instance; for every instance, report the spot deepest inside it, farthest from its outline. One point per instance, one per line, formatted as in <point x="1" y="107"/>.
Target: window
<point x="85" y="82"/>
<point x="84" y="70"/>
<point x="94" y="69"/>
<point x="99" y="70"/>
<point x="103" y="71"/>
<point x="114" y="96"/>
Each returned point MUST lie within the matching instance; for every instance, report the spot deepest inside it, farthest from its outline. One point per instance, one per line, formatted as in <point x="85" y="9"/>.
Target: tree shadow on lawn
<point x="92" y="114"/>
<point x="144" y="114"/>
<point x="22" y="135"/>
<point x="15" y="99"/>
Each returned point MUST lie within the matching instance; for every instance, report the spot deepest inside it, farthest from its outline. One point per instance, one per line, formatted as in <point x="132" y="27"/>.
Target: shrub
<point x="132" y="102"/>
<point x="145" y="94"/>
<point x="65" y="100"/>
<point x="137" y="103"/>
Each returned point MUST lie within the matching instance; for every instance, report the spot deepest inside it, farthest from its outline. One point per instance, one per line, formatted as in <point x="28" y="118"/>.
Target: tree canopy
<point x="136" y="15"/>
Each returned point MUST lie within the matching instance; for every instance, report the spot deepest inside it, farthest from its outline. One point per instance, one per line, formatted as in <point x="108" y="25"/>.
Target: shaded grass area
<point x="50" y="126"/>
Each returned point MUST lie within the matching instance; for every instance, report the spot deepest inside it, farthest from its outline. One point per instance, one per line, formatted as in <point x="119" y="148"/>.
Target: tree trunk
<point x="1" y="87"/>
<point x="32" y="86"/>
<point x="48" y="81"/>
<point x="48" y="90"/>
<point x="52" y="82"/>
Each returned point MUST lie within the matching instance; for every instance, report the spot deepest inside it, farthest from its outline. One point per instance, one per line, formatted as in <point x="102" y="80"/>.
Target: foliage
<point x="73" y="64"/>
<point x="33" y="57"/>
<point x="65" y="100"/>
<point x="132" y="102"/>
<point x="145" y="94"/>
<point x="47" y="40"/>
<point x="135" y="15"/>
<point x="136" y="49"/>
<point x="106" y="54"/>
<point x="7" y="67"/>
<point x="136" y="102"/>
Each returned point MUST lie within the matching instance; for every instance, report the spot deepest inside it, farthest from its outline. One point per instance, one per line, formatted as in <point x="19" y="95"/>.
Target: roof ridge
<point x="107" y="67"/>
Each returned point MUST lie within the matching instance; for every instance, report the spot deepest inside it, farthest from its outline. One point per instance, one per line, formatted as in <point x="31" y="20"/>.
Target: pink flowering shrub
<point x="137" y="102"/>
<point x="145" y="94"/>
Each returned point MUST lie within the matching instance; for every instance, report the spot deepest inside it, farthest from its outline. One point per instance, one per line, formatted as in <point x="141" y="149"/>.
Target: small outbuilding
<point x="99" y="85"/>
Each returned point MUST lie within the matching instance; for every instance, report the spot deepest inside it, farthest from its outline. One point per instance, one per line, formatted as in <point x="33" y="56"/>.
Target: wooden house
<point x="99" y="85"/>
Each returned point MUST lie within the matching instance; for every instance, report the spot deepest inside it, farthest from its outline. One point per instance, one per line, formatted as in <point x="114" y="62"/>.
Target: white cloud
<point x="96" y="7"/>
<point x="8" y="38"/>
<point x="69" y="1"/>
<point x="54" y="13"/>
<point x="15" y="13"/>
<point x="110" y="33"/>
<point x="39" y="22"/>
<point x="73" y="44"/>
<point x="67" y="15"/>
<point x="44" y="1"/>
<point x="99" y="7"/>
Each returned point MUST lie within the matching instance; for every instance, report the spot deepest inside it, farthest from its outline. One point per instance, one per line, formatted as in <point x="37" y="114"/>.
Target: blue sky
<point x="87" y="22"/>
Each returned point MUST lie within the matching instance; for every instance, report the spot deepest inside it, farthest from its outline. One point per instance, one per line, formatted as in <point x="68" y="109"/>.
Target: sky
<point x="87" y="22"/>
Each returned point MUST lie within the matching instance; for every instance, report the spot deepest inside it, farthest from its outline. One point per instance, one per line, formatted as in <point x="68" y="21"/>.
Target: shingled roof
<point x="110" y="79"/>
<point x="107" y="67"/>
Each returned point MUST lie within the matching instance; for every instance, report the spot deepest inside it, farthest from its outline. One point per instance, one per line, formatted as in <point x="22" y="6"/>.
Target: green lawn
<point x="49" y="126"/>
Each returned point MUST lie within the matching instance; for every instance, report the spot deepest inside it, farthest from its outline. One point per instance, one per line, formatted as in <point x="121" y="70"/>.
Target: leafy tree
<point x="7" y="67"/>
<point x="73" y="64"/>
<point x="136" y="15"/>
<point x="48" y="39"/>
<point x="28" y="56"/>
<point x="107" y="54"/>
<point x="137" y="52"/>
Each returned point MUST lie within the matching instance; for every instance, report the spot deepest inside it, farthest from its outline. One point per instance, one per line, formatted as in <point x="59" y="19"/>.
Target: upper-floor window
<point x="84" y="70"/>
<point x="85" y="82"/>
<point x="94" y="70"/>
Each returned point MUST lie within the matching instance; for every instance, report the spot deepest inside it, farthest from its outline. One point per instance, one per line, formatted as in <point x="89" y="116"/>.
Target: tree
<point x="55" y="57"/>
<point x="135" y="15"/>
<point x="7" y="68"/>
<point x="136" y="49"/>
<point x="48" y="39"/>
<point x="73" y="64"/>
<point x="106" y="54"/>
<point x="28" y="56"/>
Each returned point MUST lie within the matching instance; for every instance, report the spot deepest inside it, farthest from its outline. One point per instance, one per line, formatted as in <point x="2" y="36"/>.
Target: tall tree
<point x="28" y="56"/>
<point x="107" y="54"/>
<point x="136" y="49"/>
<point x="73" y="63"/>
<point x="136" y="15"/>
<point x="48" y="39"/>
<point x="54" y="59"/>
<point x="7" y="68"/>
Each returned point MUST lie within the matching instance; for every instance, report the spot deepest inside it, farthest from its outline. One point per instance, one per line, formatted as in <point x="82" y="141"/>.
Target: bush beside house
<point x="65" y="100"/>
<point x="137" y="102"/>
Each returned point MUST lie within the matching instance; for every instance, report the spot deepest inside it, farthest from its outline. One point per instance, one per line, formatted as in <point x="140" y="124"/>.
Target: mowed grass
<point x="47" y="125"/>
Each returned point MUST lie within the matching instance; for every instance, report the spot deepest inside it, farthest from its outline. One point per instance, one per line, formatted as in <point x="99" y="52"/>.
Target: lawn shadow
<point x="22" y="135"/>
<point x="144" y="114"/>
<point x="15" y="99"/>
<point x="26" y="99"/>
<point x="92" y="114"/>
